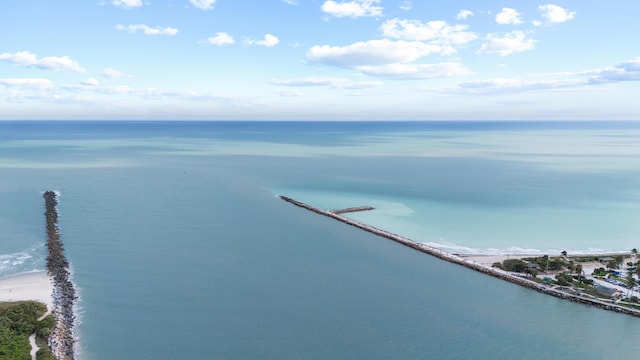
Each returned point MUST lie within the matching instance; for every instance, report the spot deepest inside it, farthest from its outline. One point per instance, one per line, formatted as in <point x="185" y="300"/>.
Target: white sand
<point x="28" y="286"/>
<point x="488" y="260"/>
<point x="34" y="346"/>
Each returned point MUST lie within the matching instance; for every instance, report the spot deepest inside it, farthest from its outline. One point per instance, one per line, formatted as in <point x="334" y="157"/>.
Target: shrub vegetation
<point x="18" y="320"/>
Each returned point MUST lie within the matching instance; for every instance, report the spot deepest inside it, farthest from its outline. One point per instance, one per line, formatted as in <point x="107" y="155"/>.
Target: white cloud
<point x="268" y="41"/>
<point x="434" y="31"/>
<point x="406" y="5"/>
<point x="87" y="84"/>
<point x="127" y="4"/>
<point x="463" y="14"/>
<point x="93" y="85"/>
<point x="116" y="89"/>
<point x="623" y="72"/>
<point x="148" y="30"/>
<point x="513" y="42"/>
<point x="114" y="74"/>
<point x="203" y="4"/>
<point x="631" y="65"/>
<point x="626" y="71"/>
<point x="334" y="82"/>
<point x="508" y="16"/>
<point x="373" y="52"/>
<point x="26" y="58"/>
<point x="530" y="83"/>
<point x="91" y="91"/>
<point x="309" y="81"/>
<point x="90" y="82"/>
<point x="388" y="59"/>
<point x="416" y="71"/>
<point x="290" y="2"/>
<point x="555" y="14"/>
<point x="353" y="9"/>
<point x="221" y="38"/>
<point x="31" y="83"/>
<point x="157" y="94"/>
<point x="512" y="86"/>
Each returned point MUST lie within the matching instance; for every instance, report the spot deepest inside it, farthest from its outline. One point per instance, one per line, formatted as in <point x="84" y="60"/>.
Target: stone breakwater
<point x="353" y="209"/>
<point x="61" y="340"/>
<point x="453" y="258"/>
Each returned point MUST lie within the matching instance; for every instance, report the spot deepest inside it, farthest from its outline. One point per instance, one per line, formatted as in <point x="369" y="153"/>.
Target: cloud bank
<point x="25" y="58"/>
<point x="38" y="84"/>
<point x="333" y="82"/>
<point x="507" y="44"/>
<point x="438" y="32"/>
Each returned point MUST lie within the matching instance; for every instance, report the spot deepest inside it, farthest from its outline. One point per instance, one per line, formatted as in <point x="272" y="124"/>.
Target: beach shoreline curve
<point x="469" y="263"/>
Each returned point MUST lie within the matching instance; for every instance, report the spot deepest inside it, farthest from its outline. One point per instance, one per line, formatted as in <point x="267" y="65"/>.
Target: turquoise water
<point x="180" y="248"/>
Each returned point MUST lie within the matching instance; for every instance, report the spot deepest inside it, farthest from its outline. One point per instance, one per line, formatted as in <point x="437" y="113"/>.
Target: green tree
<point x="555" y="264"/>
<point x="579" y="272"/>
<point x="631" y="281"/>
<point x="600" y="272"/>
<point x="19" y="320"/>
<point x="546" y="262"/>
<point x="564" y="279"/>
<point x="532" y="272"/>
<point x="515" y="265"/>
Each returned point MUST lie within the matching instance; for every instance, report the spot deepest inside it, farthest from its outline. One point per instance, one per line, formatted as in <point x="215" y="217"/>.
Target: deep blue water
<point x="181" y="250"/>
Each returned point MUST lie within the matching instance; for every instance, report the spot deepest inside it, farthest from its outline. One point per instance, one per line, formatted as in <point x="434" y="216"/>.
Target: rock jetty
<point x="61" y="340"/>
<point x="353" y="209"/>
<point x="456" y="259"/>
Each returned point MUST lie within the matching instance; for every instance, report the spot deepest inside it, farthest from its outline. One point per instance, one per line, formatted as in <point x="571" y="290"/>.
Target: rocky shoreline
<point x="61" y="340"/>
<point x="456" y="259"/>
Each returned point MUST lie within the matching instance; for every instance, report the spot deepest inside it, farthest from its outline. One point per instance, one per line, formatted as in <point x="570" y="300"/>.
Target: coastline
<point x="476" y="263"/>
<point x="34" y="286"/>
<point x="30" y="286"/>
<point x="52" y="287"/>
<point x="488" y="260"/>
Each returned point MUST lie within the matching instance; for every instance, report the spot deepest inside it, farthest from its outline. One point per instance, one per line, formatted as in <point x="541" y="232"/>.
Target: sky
<point x="320" y="60"/>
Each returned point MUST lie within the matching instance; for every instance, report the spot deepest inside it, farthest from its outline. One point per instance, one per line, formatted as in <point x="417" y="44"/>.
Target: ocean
<point x="181" y="248"/>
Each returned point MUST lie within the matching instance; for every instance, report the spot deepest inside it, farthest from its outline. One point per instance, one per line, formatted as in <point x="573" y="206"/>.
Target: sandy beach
<point x="489" y="260"/>
<point x="28" y="286"/>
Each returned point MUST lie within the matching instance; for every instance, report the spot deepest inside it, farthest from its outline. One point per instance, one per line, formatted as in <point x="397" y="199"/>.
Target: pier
<point x="459" y="260"/>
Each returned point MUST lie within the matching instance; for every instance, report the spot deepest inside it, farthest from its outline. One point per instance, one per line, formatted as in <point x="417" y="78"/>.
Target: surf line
<point x="455" y="259"/>
<point x="61" y="340"/>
